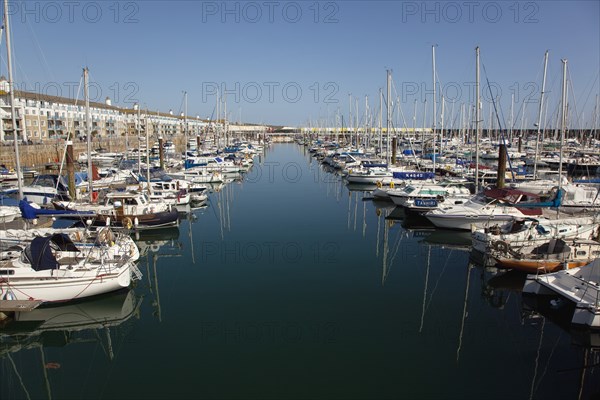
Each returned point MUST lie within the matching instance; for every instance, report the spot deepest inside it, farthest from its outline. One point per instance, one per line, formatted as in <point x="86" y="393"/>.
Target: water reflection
<point x="26" y="338"/>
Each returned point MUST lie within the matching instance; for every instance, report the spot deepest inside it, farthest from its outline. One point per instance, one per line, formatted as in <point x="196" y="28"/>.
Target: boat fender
<point x="392" y="185"/>
<point x="379" y="184"/>
<point x="105" y="235"/>
<point x="127" y="223"/>
<point x="136" y="222"/>
<point x="501" y="246"/>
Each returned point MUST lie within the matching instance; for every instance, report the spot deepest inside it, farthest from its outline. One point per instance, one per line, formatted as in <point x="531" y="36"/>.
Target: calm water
<point x="288" y="285"/>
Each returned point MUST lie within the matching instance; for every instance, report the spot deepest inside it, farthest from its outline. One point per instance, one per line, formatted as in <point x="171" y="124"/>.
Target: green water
<point x="290" y="286"/>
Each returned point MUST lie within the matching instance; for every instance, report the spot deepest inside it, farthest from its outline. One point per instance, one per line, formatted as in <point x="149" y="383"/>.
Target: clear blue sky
<point x="291" y="62"/>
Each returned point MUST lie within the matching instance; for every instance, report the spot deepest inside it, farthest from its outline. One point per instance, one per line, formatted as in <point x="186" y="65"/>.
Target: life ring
<point x="501" y="246"/>
<point x="127" y="223"/>
<point x="392" y="185"/>
<point x="379" y="184"/>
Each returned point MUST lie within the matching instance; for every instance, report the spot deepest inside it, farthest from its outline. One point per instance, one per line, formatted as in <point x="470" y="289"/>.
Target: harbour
<point x="334" y="200"/>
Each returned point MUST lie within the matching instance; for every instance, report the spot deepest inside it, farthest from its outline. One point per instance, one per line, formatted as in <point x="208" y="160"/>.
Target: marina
<point x="420" y="221"/>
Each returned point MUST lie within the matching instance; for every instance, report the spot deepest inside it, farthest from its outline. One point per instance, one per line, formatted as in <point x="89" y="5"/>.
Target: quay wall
<point x="38" y="155"/>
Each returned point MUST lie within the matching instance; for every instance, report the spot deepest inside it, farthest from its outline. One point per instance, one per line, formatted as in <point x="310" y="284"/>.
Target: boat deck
<point x="575" y="285"/>
<point x="581" y="286"/>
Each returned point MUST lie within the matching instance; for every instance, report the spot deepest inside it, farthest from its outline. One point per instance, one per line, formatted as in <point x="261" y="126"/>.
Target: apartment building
<point x="41" y="118"/>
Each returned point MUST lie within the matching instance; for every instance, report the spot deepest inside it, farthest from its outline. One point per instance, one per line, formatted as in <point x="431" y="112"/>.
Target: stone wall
<point x="38" y="155"/>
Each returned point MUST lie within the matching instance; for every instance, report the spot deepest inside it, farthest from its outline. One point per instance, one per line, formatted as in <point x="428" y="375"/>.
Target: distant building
<point x="42" y="117"/>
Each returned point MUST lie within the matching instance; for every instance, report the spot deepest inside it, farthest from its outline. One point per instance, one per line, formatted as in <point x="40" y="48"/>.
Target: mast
<point x="185" y="130"/>
<point x="539" y="121"/>
<point x="477" y="118"/>
<point x="366" y="142"/>
<point x="389" y="115"/>
<point x="563" y="122"/>
<point x="442" y="127"/>
<point x="434" y="117"/>
<point x="88" y="130"/>
<point x="138" y="131"/>
<point x="12" y="102"/>
<point x="512" y="106"/>
<point x="380" y="120"/>
<point x="147" y="130"/>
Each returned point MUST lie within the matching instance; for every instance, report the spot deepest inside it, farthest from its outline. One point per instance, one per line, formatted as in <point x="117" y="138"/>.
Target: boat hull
<point x="61" y="289"/>
<point x="533" y="266"/>
<point x="464" y="222"/>
<point x="139" y="222"/>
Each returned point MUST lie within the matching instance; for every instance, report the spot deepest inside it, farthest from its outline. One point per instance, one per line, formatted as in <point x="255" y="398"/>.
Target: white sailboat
<point x="53" y="269"/>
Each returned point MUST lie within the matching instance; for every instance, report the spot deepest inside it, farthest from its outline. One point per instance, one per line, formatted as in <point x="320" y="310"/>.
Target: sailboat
<point x="53" y="269"/>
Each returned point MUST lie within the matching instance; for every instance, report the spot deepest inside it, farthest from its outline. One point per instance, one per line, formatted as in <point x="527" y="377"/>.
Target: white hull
<point x="62" y="287"/>
<point x="464" y="222"/>
<point x="8" y="213"/>
<point x="372" y="179"/>
<point x="578" y="285"/>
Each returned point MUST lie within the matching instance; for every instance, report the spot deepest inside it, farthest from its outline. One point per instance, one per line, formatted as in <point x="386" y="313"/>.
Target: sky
<point x="307" y="62"/>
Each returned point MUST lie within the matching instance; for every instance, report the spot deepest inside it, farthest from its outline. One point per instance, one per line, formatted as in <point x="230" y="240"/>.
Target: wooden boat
<point x="128" y="210"/>
<point x="555" y="255"/>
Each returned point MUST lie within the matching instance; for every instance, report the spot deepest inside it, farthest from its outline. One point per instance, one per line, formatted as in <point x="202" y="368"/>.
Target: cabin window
<point x="595" y="253"/>
<point x="7" y="271"/>
<point x="581" y="253"/>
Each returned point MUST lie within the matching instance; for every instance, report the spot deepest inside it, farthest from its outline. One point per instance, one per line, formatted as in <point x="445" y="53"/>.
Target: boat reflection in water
<point x="98" y="312"/>
<point x="536" y="310"/>
<point x="449" y="239"/>
<point x="32" y="337"/>
<point x="153" y="240"/>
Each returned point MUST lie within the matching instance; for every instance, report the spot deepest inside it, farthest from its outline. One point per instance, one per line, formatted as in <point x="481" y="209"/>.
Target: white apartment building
<point x="42" y="117"/>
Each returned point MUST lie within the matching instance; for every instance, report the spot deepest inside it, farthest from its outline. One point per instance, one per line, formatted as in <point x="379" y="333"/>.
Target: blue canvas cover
<point x="39" y="252"/>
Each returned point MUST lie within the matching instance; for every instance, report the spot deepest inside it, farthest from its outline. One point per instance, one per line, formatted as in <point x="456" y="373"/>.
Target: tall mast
<point x="434" y="117"/>
<point x="12" y="102"/>
<point x="563" y="122"/>
<point x="138" y="137"/>
<point x="539" y="121"/>
<point x="185" y="130"/>
<point x="477" y="118"/>
<point x="442" y="127"/>
<point x="380" y="120"/>
<point x="147" y="129"/>
<point x="389" y="115"/>
<point x="365" y="141"/>
<point x="510" y="129"/>
<point x="88" y="130"/>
